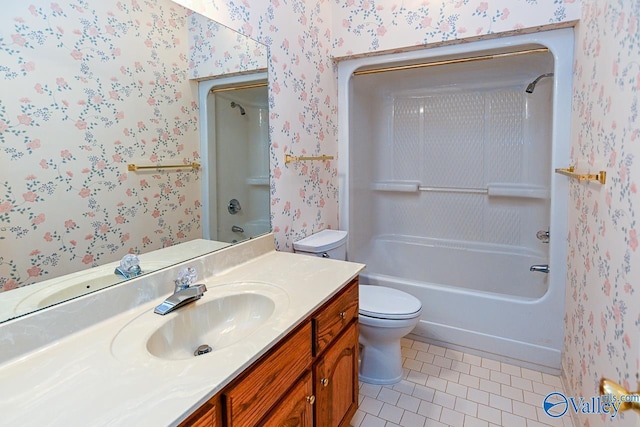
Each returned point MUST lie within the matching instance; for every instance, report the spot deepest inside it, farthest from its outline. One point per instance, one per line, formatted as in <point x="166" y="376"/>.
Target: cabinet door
<point x="296" y="408"/>
<point x="265" y="382"/>
<point x="208" y="415"/>
<point x="336" y="381"/>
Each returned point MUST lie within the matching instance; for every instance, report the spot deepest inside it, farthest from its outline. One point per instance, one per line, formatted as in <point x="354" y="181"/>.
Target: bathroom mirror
<point x="87" y="91"/>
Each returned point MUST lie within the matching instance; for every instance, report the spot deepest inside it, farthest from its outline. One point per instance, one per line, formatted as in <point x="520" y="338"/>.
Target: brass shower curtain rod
<point x="226" y="89"/>
<point x="450" y="61"/>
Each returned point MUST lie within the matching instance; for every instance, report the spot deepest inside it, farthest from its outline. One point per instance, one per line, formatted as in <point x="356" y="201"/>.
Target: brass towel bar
<point x="288" y="158"/>
<point x="601" y="176"/>
<point x="133" y="167"/>
<point x="627" y="400"/>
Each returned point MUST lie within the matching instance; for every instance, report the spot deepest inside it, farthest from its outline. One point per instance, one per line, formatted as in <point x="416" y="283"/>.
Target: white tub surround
<point x="447" y="176"/>
<point x="67" y="372"/>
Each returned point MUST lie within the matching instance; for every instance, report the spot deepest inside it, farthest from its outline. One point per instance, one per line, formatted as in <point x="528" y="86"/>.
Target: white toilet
<point x="386" y="314"/>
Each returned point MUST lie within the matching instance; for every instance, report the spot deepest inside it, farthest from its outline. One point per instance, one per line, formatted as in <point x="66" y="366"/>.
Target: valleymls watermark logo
<point x="557" y="404"/>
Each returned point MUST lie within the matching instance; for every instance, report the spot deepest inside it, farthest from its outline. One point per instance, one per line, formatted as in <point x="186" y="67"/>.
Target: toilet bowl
<point x="385" y="314"/>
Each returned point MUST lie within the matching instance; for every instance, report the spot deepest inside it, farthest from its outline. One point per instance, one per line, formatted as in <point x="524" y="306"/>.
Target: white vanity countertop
<point x="77" y="380"/>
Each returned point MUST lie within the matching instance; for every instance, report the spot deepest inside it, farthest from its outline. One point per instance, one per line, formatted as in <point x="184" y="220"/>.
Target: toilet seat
<point x="387" y="303"/>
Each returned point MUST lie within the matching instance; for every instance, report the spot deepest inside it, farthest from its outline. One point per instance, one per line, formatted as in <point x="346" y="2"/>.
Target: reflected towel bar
<point x="288" y="158"/>
<point x="601" y="176"/>
<point x="133" y="167"/>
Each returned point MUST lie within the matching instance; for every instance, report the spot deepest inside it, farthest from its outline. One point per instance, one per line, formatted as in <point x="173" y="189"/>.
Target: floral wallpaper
<point x="362" y="26"/>
<point x="88" y="87"/>
<point x="216" y="50"/>
<point x="602" y="331"/>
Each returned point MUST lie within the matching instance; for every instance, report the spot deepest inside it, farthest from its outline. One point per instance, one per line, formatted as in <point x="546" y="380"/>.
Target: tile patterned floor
<point x="443" y="387"/>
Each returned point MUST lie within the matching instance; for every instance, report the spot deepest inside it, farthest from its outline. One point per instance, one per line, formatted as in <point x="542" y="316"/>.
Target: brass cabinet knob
<point x="311" y="399"/>
<point x="324" y="382"/>
<point x="343" y="315"/>
<point x="629" y="401"/>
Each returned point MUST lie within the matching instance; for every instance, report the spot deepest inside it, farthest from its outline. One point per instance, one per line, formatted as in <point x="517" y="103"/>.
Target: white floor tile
<point x="444" y="387"/>
<point x="391" y="413"/>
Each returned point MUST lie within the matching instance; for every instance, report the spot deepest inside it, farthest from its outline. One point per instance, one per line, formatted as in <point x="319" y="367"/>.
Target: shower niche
<point x="449" y="156"/>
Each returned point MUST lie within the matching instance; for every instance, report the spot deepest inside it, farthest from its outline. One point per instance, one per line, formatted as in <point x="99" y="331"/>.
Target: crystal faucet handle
<point x="186" y="277"/>
<point x="130" y="262"/>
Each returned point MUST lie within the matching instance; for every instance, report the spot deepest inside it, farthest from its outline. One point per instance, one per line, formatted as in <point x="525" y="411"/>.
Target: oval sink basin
<point x="221" y="319"/>
<point x="217" y="323"/>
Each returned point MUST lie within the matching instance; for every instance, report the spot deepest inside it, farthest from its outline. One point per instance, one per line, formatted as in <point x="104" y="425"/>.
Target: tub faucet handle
<point x="543" y="236"/>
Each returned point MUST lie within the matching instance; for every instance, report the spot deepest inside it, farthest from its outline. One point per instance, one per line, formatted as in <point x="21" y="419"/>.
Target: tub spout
<point x="543" y="268"/>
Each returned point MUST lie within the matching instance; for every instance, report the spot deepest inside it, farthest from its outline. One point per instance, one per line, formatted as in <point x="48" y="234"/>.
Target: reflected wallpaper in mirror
<point x="87" y="88"/>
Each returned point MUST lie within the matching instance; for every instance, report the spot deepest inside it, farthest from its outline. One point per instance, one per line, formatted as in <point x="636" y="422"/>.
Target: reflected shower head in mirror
<point x="533" y="84"/>
<point x="234" y="105"/>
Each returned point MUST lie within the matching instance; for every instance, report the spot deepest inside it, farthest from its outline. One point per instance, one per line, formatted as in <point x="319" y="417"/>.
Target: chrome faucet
<point x="543" y="268"/>
<point x="129" y="267"/>
<point x="183" y="293"/>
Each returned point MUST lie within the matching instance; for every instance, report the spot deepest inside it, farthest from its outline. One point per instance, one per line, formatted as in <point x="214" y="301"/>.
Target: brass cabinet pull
<point x="311" y="399"/>
<point x="324" y="382"/>
<point x="343" y="315"/>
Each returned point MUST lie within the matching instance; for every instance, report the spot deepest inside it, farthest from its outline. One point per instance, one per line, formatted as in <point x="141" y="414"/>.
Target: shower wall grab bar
<point x="133" y="167"/>
<point x="288" y="158"/>
<point x="600" y="177"/>
<point x="400" y="186"/>
<point x="492" y="190"/>
<point x="453" y="190"/>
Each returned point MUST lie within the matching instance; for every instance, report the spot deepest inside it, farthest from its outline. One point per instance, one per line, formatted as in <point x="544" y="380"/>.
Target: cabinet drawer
<point x="329" y="323"/>
<point x="267" y="381"/>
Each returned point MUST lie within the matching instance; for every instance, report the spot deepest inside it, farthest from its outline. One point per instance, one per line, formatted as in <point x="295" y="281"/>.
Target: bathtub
<point x="485" y="269"/>
<point x="476" y="298"/>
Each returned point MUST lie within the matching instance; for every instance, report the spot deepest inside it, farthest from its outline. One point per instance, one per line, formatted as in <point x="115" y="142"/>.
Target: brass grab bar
<point x="134" y="167"/>
<point x="601" y="176"/>
<point x="288" y="158"/>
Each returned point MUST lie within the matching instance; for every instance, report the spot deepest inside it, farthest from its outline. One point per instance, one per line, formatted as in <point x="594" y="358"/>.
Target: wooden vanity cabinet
<point x="310" y="378"/>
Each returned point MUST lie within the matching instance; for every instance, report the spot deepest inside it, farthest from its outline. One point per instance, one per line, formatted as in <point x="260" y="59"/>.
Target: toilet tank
<point x="326" y="244"/>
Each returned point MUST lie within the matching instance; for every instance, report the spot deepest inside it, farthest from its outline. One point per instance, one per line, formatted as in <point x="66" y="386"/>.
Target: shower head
<point x="234" y="105"/>
<point x="533" y="84"/>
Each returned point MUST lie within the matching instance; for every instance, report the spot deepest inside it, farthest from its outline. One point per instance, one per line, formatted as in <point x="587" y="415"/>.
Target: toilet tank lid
<point x="322" y="241"/>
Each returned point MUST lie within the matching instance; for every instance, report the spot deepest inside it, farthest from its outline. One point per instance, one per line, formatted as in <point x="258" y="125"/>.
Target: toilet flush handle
<point x="325" y="255"/>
